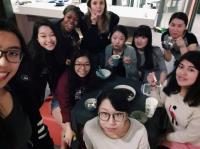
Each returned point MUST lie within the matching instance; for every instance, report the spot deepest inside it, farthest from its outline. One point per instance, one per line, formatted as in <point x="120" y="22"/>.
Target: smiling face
<point x="97" y="6"/>
<point x="82" y="66"/>
<point x="70" y="21"/>
<point x="118" y="40"/>
<point x="186" y="74"/>
<point x="140" y="42"/>
<point x="177" y="28"/>
<point x="8" y="41"/>
<point x="111" y="127"/>
<point x="46" y="38"/>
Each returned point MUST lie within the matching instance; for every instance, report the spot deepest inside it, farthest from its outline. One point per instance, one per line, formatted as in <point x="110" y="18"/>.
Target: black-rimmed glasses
<point x="118" y="116"/>
<point x="12" y="55"/>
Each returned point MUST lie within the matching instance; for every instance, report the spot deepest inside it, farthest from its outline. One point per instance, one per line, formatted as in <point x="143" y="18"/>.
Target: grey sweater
<point x="158" y="62"/>
<point x="130" y="69"/>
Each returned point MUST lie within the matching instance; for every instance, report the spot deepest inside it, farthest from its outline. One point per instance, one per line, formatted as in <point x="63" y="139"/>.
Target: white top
<point x="185" y="120"/>
<point x="136" y="137"/>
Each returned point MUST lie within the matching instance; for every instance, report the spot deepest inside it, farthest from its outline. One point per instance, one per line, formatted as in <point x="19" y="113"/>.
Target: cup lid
<point x="115" y="56"/>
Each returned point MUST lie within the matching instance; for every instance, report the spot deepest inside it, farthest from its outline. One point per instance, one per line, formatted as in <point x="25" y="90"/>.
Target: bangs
<point x="193" y="57"/>
<point x="143" y="31"/>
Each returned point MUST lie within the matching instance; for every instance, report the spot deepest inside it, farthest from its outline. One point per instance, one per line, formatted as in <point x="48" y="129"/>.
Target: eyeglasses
<point x="12" y="55"/>
<point x="118" y="117"/>
<point x="82" y="65"/>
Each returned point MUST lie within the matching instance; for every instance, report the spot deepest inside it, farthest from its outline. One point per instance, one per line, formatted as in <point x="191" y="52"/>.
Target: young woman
<point x="149" y="57"/>
<point x="13" y="120"/>
<point x="181" y="98"/>
<point x="183" y="41"/>
<point x="113" y="128"/>
<point x="96" y="27"/>
<point x="41" y="67"/>
<point x="127" y="65"/>
<point x="45" y="61"/>
<point x="72" y="85"/>
<point x="68" y="36"/>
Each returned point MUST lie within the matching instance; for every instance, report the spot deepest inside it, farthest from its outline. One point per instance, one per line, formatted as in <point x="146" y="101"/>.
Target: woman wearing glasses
<point x="15" y="129"/>
<point x="72" y="85"/>
<point x="113" y="128"/>
<point x="41" y="67"/>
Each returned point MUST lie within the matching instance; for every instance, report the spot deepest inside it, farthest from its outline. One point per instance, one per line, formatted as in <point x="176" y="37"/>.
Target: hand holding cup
<point x="127" y="59"/>
<point x="151" y="78"/>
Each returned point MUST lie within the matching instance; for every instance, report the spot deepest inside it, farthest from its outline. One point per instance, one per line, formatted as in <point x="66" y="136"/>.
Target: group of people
<point x="57" y="56"/>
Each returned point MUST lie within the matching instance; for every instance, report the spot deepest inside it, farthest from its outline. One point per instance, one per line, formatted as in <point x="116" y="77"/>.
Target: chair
<point x="53" y="127"/>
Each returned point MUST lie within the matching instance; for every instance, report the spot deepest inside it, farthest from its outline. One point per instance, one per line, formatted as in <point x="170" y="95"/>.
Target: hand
<point x="151" y="78"/>
<point x="167" y="55"/>
<point x="126" y="59"/>
<point x="180" y="42"/>
<point x="94" y="17"/>
<point x="68" y="134"/>
<point x="110" y="62"/>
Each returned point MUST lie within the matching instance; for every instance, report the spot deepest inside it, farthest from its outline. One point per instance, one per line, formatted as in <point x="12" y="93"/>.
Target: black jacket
<point x="68" y="41"/>
<point x="15" y="129"/>
<point x="92" y="39"/>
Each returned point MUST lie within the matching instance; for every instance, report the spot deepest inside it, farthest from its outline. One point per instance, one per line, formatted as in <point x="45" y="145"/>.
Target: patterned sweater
<point x="184" y="119"/>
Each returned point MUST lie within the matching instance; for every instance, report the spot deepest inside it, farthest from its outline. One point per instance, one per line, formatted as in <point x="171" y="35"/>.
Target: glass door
<point x="195" y="20"/>
<point x="168" y="7"/>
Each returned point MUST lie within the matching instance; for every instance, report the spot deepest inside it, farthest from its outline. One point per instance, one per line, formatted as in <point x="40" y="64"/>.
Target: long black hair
<point x="9" y="26"/>
<point x="44" y="62"/>
<point x="36" y="51"/>
<point x="192" y="96"/>
<point x="145" y="31"/>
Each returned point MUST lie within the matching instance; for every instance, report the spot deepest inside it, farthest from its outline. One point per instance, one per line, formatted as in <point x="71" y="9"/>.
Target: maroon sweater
<point x="67" y="95"/>
<point x="62" y="94"/>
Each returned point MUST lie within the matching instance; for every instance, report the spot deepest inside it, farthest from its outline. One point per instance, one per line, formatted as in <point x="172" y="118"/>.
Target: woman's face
<point x="97" y="7"/>
<point x="118" y="40"/>
<point x="177" y="28"/>
<point x="46" y="38"/>
<point x="82" y="66"/>
<point x="111" y="121"/>
<point x="8" y="42"/>
<point x="70" y="21"/>
<point x="140" y="42"/>
<point x="186" y="74"/>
